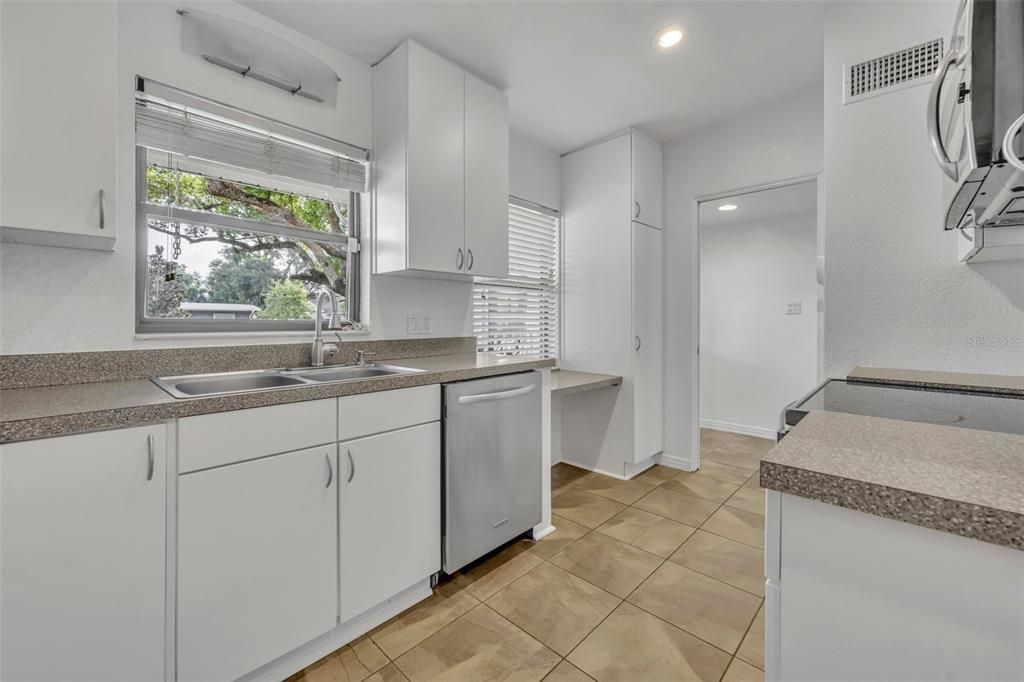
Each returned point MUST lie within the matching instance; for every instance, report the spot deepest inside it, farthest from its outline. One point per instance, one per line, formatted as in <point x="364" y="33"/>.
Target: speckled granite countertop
<point x="957" y="480"/>
<point x="27" y="413"/>
<point x="567" y="381"/>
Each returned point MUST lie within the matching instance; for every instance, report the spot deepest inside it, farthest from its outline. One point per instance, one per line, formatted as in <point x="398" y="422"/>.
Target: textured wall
<point x="778" y="142"/>
<point x="895" y="294"/>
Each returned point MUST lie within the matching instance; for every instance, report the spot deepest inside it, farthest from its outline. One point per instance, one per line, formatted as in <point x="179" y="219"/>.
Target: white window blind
<point x="192" y="134"/>
<point x="519" y="315"/>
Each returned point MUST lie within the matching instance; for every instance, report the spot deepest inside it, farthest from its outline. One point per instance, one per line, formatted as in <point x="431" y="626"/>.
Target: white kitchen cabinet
<point x="84" y="555"/>
<point x="441" y="165"/>
<point x="853" y="596"/>
<point x="646" y="180"/>
<point x="612" y="309"/>
<point x="59" y="78"/>
<point x="648" y="370"/>
<point x="390" y="514"/>
<point x="257" y="561"/>
<point x="487" y="179"/>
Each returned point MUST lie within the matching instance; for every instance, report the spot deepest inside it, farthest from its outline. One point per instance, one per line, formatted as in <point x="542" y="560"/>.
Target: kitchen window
<point x="519" y="315"/>
<point x="240" y="226"/>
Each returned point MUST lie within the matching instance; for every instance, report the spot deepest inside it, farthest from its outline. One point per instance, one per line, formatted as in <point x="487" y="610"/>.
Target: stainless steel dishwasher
<point x="492" y="464"/>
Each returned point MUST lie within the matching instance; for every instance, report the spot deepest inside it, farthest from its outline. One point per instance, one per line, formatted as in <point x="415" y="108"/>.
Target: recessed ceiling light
<point x="669" y="37"/>
<point x="728" y="207"/>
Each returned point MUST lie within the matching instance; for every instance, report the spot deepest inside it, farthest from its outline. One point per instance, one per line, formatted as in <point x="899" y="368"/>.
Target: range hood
<point x="976" y="103"/>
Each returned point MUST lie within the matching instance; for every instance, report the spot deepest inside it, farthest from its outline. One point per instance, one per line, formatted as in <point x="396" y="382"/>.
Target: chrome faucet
<point x="322" y="350"/>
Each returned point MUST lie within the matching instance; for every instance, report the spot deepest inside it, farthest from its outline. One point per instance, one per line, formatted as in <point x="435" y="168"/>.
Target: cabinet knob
<point x="459" y="260"/>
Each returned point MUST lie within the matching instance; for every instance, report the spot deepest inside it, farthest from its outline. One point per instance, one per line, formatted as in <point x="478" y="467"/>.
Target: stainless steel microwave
<point x="975" y="112"/>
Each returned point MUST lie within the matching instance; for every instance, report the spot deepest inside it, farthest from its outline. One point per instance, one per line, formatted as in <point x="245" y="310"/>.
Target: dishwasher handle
<point x="500" y="395"/>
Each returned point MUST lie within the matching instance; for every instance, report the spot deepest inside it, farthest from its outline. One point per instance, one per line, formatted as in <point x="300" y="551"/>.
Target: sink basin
<point x="269" y="379"/>
<point x="328" y="374"/>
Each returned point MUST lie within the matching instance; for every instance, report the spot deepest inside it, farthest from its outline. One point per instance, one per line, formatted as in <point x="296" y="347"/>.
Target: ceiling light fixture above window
<point x="669" y="37"/>
<point x="728" y="207"/>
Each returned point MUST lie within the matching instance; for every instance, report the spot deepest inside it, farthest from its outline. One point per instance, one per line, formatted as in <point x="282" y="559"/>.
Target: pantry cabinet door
<point x="84" y="555"/>
<point x="648" y="363"/>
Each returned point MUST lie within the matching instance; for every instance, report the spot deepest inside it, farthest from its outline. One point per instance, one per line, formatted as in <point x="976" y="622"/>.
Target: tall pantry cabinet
<point x="612" y="300"/>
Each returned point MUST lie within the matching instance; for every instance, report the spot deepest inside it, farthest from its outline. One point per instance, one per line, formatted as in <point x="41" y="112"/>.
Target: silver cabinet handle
<point x="150" y="458"/>
<point x="459" y="260"/>
<point x="500" y="395"/>
<point x="330" y="471"/>
<point x="636" y="209"/>
<point x="351" y="467"/>
<point x="103" y="210"/>
<point x="470" y="256"/>
<point x="637" y="340"/>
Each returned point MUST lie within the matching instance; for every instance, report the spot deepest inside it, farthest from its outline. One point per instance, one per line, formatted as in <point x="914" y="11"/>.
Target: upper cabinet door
<point x="487" y="179"/>
<point x="84" y="555"/>
<point x="647" y="181"/>
<point x="648" y="373"/>
<point x="435" y="156"/>
<point x="59" y="123"/>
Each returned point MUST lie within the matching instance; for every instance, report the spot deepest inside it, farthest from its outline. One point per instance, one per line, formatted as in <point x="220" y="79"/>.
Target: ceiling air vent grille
<point x="893" y="71"/>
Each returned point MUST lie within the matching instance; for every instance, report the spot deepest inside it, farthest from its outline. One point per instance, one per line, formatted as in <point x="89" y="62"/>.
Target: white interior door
<point x="390" y="515"/>
<point x="647" y="341"/>
<point x="436" y="177"/>
<point x="487" y="178"/>
<point x="257" y="561"/>
<point x="84" y="555"/>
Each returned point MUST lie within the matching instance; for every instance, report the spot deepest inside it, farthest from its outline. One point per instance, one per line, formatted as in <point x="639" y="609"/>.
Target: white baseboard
<point x="728" y="427"/>
<point x="556" y="458"/>
<point x="545" y="530"/>
<point x="596" y="471"/>
<point x="311" y="652"/>
<point x="673" y="462"/>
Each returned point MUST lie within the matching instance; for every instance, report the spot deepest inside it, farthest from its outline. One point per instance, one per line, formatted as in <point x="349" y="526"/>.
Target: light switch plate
<point x="417" y="323"/>
<point x="794" y="308"/>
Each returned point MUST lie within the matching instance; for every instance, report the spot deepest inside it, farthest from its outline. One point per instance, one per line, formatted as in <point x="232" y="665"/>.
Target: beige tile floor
<point x="657" y="578"/>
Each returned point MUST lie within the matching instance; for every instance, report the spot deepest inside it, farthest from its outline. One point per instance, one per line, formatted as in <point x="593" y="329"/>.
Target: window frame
<point x="153" y="325"/>
<point x="555" y="288"/>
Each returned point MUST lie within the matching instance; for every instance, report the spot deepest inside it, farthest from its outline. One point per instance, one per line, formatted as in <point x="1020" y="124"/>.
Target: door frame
<point x="695" y="303"/>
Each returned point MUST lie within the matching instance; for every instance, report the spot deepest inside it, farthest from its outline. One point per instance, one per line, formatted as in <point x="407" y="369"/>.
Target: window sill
<point x="304" y="334"/>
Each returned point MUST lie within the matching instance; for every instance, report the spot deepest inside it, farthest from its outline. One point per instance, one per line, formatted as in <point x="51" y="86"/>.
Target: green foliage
<point x="287" y="300"/>
<point x="241" y="278"/>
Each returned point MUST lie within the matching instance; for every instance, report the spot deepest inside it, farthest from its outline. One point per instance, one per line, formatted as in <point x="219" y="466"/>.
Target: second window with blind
<point x="519" y="315"/>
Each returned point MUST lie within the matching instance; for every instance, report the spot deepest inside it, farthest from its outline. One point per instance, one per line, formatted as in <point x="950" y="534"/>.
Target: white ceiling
<point x="767" y="204"/>
<point x="576" y="71"/>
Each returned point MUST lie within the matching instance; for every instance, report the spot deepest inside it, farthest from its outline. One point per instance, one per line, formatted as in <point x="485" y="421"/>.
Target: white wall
<point x="754" y="358"/>
<point x="54" y="300"/>
<point x="535" y="172"/>
<point x="895" y="294"/>
<point x="779" y="142"/>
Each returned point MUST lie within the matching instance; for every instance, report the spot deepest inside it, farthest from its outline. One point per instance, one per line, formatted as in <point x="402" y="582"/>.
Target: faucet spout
<point x="321" y="350"/>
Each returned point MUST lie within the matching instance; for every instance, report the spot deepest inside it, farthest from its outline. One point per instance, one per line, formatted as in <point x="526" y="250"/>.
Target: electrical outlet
<point x="794" y="308"/>
<point x="417" y="324"/>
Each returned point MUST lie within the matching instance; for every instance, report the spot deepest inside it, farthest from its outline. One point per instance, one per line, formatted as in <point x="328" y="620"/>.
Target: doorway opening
<point x="759" y="322"/>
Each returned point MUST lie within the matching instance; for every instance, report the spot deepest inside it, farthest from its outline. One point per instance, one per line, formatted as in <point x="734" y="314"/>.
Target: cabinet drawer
<point x="363" y="415"/>
<point x="211" y="440"/>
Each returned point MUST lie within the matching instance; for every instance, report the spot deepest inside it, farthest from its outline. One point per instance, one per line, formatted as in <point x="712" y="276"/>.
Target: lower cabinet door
<point x="257" y="561"/>
<point x="390" y="516"/>
<point x="84" y="556"/>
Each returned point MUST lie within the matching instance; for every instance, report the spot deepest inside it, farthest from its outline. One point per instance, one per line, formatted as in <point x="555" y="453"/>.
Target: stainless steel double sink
<point x="223" y="383"/>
